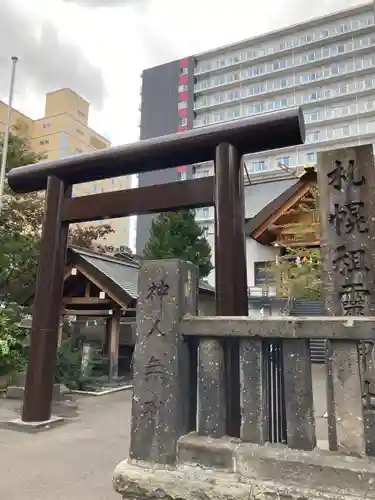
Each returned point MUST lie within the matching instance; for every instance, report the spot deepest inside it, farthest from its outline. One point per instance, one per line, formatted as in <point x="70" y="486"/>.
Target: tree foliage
<point x="20" y="229"/>
<point x="177" y="235"/>
<point x="13" y="340"/>
<point x="297" y="274"/>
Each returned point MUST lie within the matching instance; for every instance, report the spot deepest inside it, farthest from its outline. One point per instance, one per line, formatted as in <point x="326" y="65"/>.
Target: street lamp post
<point x="7" y="131"/>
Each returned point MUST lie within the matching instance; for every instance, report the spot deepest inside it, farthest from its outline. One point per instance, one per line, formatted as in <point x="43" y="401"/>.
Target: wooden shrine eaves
<point x="262" y="132"/>
<point x="258" y="226"/>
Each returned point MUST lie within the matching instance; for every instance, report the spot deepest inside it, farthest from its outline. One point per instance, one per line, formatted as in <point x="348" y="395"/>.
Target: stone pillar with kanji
<point x="167" y="290"/>
<point x="346" y="181"/>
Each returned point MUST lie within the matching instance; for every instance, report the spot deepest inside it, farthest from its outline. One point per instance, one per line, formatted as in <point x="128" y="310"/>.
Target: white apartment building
<point x="326" y="65"/>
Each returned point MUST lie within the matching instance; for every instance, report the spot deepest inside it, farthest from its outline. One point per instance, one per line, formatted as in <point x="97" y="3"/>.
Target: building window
<point x="284" y="83"/>
<point x="313" y="96"/>
<point x="341" y="131"/>
<point x="262" y="275"/>
<point x="46" y="125"/>
<point x="311" y="157"/>
<point x="79" y="131"/>
<point x="284" y="160"/>
<point x="181" y="176"/>
<point x="182" y="122"/>
<point x="80" y="113"/>
<point x="78" y="150"/>
<point x="183" y="88"/>
<point x="42" y="143"/>
<point x="314" y="136"/>
<point x="184" y="71"/>
<point x="281" y="64"/>
<point x="203" y="213"/>
<point x="182" y="105"/>
<point x="314" y="116"/>
<point x="257" y="166"/>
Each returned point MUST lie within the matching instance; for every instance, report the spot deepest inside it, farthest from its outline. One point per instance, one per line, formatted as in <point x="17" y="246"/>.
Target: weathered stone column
<point x="167" y="291"/>
<point x="211" y="389"/>
<point x="346" y="181"/>
<point x="114" y="344"/>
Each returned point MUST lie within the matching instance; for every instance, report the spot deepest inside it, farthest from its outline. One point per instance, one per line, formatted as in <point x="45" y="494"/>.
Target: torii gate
<point x="225" y="143"/>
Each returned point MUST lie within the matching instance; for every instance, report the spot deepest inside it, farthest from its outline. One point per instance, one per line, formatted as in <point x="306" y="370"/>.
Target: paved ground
<point x="72" y="462"/>
<point x="76" y="461"/>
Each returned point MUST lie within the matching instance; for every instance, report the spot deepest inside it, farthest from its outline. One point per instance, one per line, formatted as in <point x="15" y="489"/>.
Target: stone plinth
<point x="225" y="469"/>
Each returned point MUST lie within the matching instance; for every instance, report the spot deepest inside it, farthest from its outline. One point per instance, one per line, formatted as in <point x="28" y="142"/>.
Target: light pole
<point x="7" y="131"/>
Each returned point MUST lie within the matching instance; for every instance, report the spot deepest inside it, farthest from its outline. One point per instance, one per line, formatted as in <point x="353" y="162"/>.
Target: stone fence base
<point x="225" y="469"/>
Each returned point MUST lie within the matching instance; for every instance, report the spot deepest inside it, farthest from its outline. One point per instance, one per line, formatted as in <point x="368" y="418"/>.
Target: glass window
<point x="343" y="89"/>
<point x="337" y="112"/>
<point x="182" y="105"/>
<point x="341" y="132"/>
<point x="314" y="136"/>
<point x="182" y="122"/>
<point x="183" y="88"/>
<point x="324" y="34"/>
<point x="181" y="176"/>
<point x="257" y="166"/>
<point x="314" y="116"/>
<point x="311" y="56"/>
<point x="184" y="71"/>
<point x="344" y="28"/>
<point x="257" y="71"/>
<point x="233" y="113"/>
<point x="284" y="83"/>
<point x="311" y="157"/>
<point x="233" y="94"/>
<point x="284" y="160"/>
<point x="313" y="96"/>
<point x="338" y="49"/>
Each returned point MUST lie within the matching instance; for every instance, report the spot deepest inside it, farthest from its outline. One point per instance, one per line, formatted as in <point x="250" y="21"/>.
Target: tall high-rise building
<point x="64" y="131"/>
<point x="326" y="64"/>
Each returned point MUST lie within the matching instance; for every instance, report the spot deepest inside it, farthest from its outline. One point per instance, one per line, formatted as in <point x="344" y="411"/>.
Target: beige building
<point x="62" y="132"/>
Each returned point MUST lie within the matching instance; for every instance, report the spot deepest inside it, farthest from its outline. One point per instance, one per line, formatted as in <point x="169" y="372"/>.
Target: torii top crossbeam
<point x="259" y="133"/>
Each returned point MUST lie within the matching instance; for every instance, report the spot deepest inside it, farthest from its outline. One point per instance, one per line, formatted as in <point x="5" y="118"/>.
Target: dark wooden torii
<point x="225" y="144"/>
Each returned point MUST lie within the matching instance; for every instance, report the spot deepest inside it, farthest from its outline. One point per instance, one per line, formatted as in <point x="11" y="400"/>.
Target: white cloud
<point x="46" y="61"/>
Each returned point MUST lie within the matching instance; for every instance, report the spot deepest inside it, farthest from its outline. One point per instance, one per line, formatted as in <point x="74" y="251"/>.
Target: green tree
<point x="297" y="274"/>
<point x="13" y="340"/>
<point x="177" y="235"/>
<point x="20" y="228"/>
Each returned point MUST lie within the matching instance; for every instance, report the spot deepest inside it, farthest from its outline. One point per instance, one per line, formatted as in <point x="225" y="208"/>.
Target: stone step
<point x="321" y="470"/>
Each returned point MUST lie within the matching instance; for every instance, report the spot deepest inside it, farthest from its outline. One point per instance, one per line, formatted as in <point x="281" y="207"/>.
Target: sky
<point x="100" y="47"/>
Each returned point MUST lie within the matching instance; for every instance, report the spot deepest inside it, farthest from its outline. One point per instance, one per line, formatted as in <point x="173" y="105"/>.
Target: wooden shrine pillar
<point x="230" y="265"/>
<point x="47" y="307"/>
